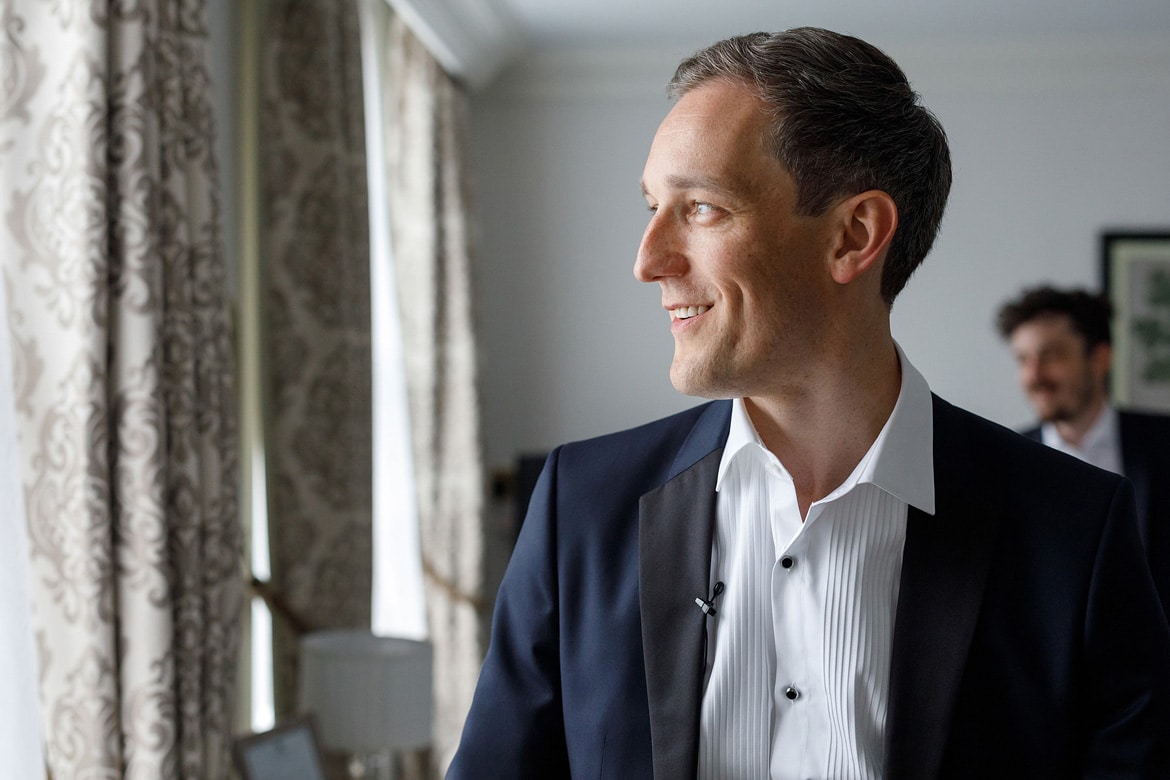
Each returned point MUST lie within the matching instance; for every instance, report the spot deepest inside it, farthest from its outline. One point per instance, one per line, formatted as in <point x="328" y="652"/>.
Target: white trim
<point x="472" y="39"/>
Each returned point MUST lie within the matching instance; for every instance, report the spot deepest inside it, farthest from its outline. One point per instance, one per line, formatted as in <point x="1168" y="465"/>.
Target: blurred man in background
<point x="1062" y="342"/>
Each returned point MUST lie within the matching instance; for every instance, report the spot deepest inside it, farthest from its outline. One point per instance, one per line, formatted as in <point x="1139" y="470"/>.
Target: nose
<point x="660" y="254"/>
<point x="1029" y="371"/>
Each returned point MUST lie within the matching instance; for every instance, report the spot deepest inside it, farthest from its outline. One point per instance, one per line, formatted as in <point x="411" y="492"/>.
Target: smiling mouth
<point x="686" y="312"/>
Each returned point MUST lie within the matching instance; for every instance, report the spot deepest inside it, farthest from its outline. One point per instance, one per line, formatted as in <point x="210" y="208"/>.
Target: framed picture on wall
<point x="1136" y="277"/>
<point x="287" y="752"/>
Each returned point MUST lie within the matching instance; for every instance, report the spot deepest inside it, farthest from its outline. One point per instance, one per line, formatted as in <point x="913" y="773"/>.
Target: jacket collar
<point x="944" y="570"/>
<point x="676" y="524"/>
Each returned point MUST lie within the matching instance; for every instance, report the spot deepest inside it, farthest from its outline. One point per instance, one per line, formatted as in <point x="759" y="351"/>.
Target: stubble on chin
<point x="701" y="379"/>
<point x="683" y="377"/>
<point x="1052" y="416"/>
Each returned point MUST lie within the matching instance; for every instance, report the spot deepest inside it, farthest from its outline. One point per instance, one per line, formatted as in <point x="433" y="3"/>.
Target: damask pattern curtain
<point x="316" y="266"/>
<point x="425" y="148"/>
<point x="122" y="352"/>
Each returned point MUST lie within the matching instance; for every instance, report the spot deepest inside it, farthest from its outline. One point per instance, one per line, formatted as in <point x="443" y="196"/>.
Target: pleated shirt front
<point x="799" y="648"/>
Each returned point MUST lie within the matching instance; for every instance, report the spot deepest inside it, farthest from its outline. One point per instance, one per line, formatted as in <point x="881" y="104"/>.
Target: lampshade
<point x="368" y="693"/>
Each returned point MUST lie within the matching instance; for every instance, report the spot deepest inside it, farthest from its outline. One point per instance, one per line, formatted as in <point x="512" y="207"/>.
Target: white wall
<point x="1052" y="143"/>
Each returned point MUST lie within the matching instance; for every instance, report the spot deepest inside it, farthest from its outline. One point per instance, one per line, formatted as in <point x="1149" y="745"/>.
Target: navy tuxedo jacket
<point x="1028" y="642"/>
<point x="1145" y="459"/>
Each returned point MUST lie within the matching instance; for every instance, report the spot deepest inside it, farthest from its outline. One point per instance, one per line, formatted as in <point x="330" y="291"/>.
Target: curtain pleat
<point x="124" y="374"/>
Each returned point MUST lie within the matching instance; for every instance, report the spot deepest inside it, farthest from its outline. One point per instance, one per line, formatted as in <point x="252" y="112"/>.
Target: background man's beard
<point x="1066" y="411"/>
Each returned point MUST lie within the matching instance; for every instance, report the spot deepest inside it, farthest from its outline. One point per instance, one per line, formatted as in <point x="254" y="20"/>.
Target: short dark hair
<point x="1089" y="313"/>
<point x="844" y="120"/>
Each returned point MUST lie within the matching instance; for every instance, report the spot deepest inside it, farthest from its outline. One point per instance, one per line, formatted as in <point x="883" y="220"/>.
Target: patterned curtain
<point x="316" y="265"/>
<point x="123" y="364"/>
<point x="424" y="134"/>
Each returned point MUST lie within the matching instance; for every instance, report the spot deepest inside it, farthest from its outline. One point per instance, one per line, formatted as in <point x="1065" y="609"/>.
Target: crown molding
<point x="472" y="39"/>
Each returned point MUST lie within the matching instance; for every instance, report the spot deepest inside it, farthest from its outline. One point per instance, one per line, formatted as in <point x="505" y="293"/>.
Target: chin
<point x="691" y="383"/>
<point x="701" y="385"/>
<point x="1046" y="412"/>
<point x="691" y="389"/>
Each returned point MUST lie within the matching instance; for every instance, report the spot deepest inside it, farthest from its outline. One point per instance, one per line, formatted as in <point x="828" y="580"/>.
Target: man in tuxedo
<point x="826" y="572"/>
<point x="1063" y="345"/>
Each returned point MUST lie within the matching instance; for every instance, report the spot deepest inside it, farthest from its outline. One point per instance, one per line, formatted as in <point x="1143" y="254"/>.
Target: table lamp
<point x="370" y="695"/>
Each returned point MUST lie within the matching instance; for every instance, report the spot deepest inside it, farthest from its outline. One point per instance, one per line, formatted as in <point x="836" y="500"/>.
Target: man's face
<point x="1063" y="380"/>
<point x="742" y="276"/>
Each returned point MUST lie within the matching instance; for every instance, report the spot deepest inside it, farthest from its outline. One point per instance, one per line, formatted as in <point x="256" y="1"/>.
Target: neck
<point x="1074" y="431"/>
<point x="822" y="428"/>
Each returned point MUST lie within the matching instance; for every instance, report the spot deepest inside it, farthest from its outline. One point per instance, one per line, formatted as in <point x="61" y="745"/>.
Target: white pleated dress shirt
<point x="799" y="648"/>
<point x="1101" y="446"/>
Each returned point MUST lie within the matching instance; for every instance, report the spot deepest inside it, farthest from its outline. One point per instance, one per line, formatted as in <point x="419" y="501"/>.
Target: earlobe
<point x="867" y="221"/>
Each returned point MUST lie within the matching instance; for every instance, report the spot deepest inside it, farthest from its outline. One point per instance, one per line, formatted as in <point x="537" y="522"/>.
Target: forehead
<point x="715" y="136"/>
<point x="1046" y="331"/>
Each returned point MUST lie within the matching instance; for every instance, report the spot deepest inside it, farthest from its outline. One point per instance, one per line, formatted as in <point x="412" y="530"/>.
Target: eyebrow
<point x="679" y="182"/>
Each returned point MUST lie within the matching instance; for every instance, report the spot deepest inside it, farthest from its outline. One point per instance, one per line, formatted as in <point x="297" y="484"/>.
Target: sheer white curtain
<point x="422" y="129"/>
<point x="398" y="606"/>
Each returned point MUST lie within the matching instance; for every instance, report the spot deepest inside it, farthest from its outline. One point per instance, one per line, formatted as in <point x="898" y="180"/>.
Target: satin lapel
<point x="944" y="570"/>
<point x="676" y="523"/>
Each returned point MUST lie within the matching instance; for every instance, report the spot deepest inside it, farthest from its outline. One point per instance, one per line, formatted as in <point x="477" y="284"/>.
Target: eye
<point x="705" y="212"/>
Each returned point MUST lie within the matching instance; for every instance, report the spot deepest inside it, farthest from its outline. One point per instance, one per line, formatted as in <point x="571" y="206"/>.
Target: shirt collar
<point x="1103" y="433"/>
<point x="901" y="459"/>
<point x="741" y="434"/>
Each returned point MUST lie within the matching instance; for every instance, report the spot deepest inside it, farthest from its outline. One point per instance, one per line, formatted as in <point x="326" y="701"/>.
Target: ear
<point x="1101" y="358"/>
<point x="867" y="222"/>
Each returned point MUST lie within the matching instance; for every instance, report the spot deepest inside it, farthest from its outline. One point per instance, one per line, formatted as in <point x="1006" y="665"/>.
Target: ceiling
<point x="589" y="23"/>
<point x="475" y="39"/>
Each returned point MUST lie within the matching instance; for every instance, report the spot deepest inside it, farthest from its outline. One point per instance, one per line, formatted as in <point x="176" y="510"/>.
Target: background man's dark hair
<point x="844" y="121"/>
<point x="1089" y="313"/>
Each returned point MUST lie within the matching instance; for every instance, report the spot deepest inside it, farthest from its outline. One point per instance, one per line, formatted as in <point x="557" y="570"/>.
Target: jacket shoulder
<point x="987" y="453"/>
<point x="648" y="454"/>
<point x="1144" y="425"/>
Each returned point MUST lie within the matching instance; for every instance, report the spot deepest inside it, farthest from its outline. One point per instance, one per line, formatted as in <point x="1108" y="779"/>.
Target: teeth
<point x="686" y="312"/>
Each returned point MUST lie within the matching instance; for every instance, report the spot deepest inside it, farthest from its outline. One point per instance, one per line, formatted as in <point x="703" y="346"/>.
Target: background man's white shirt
<point x="1102" y="444"/>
